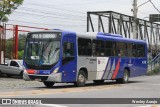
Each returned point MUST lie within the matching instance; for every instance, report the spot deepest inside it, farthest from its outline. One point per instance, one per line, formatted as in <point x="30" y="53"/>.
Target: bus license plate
<point x="37" y="79"/>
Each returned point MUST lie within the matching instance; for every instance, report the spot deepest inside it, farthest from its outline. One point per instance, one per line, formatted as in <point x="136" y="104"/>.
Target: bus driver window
<point x="68" y="50"/>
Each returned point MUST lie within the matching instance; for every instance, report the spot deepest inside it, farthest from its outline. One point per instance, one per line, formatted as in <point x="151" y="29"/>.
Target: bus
<point x="59" y="56"/>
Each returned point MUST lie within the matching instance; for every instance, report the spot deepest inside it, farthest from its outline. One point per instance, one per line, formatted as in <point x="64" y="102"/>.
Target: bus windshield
<point x="42" y="51"/>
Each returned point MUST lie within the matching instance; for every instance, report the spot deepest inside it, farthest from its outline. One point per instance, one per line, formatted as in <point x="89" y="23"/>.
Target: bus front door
<point x="69" y="60"/>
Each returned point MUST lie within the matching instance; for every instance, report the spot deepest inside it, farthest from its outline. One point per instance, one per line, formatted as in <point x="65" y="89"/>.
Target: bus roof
<point x="96" y="35"/>
<point x="117" y="37"/>
<point x="108" y="36"/>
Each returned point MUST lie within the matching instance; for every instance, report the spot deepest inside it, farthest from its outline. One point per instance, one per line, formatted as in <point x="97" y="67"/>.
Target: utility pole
<point x="135" y="9"/>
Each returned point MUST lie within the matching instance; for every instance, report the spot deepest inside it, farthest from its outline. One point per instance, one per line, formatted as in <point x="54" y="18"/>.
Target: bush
<point x="154" y="71"/>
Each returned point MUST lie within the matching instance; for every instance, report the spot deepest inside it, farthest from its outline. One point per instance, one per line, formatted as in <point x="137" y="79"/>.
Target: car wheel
<point x="81" y="80"/>
<point x="21" y="75"/>
<point x="48" y="84"/>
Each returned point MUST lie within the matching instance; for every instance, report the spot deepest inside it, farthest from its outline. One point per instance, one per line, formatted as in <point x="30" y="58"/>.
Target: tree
<point x="7" y="7"/>
<point x="22" y="39"/>
<point x="9" y="46"/>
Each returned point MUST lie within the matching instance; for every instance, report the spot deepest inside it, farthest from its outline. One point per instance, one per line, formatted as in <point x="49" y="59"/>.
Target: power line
<point x="45" y="23"/>
<point x="51" y="7"/>
<point x="154" y="6"/>
<point x="143" y="3"/>
<point x="86" y="3"/>
<point x="48" y="12"/>
<point x="49" y="16"/>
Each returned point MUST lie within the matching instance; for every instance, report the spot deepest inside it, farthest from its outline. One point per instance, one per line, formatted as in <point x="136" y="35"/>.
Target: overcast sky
<point x="71" y="14"/>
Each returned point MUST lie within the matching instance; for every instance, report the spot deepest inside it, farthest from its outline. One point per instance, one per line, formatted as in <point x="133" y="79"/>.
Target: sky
<point x="71" y="14"/>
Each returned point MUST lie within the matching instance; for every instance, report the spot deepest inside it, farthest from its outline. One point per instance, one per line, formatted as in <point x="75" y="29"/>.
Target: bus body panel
<point x="88" y="63"/>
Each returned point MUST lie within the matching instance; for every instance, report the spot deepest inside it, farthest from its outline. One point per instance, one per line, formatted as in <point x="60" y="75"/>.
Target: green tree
<point x="20" y="54"/>
<point x="7" y="7"/>
<point x="21" y="44"/>
<point x="9" y="47"/>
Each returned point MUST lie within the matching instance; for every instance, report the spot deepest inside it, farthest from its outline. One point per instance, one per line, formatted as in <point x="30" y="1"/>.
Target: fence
<point x="154" y="64"/>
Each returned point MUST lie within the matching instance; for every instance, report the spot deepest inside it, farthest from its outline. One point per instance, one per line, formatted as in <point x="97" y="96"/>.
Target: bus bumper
<point x="57" y="77"/>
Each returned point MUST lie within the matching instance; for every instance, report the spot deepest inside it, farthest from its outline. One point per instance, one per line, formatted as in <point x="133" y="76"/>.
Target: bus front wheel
<point x="48" y="84"/>
<point x="125" y="77"/>
<point x="81" y="79"/>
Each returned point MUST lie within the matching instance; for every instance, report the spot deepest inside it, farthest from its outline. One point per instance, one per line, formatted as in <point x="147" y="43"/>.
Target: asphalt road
<point x="138" y="87"/>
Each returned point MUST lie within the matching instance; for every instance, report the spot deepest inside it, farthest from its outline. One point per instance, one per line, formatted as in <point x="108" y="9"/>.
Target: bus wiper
<point x="40" y="62"/>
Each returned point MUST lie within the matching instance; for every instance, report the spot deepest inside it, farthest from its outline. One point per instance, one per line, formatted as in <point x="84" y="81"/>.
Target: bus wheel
<point x="48" y="84"/>
<point x="81" y="80"/>
<point x="98" y="81"/>
<point x="125" y="77"/>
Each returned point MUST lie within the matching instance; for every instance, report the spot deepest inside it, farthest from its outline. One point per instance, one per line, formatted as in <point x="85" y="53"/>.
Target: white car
<point x="14" y="67"/>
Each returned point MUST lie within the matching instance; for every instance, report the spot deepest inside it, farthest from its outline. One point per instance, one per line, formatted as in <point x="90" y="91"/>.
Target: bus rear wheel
<point x="81" y="80"/>
<point x="125" y="77"/>
<point x="48" y="84"/>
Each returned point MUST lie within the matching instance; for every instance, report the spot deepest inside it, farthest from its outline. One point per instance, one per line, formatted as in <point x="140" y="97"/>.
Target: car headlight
<point x="25" y="71"/>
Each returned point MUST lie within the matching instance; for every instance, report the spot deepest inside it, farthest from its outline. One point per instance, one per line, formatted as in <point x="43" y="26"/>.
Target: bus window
<point x="109" y="48"/>
<point x="84" y="47"/>
<point x="68" y="49"/>
<point x="129" y="50"/>
<point x="140" y="50"/>
<point x="68" y="52"/>
<point x="121" y="49"/>
<point x="99" y="48"/>
<point x="134" y="50"/>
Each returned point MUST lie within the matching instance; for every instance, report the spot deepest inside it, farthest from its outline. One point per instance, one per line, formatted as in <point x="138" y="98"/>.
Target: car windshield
<point x="20" y="62"/>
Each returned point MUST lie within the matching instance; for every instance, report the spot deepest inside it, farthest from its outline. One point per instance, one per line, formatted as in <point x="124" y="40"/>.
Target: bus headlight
<point x="56" y="70"/>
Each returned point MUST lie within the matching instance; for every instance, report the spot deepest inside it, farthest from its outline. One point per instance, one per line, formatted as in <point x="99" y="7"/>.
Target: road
<point x="138" y="87"/>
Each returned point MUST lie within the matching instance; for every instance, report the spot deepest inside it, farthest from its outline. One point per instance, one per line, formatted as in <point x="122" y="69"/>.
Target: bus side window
<point x="110" y="48"/>
<point x="68" y="52"/>
<point x="129" y="50"/>
<point x="68" y="49"/>
<point x="84" y="47"/>
<point x="140" y="50"/>
<point x="99" y="49"/>
<point x="121" y="49"/>
<point x="134" y="51"/>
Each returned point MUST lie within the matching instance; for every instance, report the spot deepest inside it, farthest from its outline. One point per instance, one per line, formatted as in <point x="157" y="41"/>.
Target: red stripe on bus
<point x="116" y="69"/>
